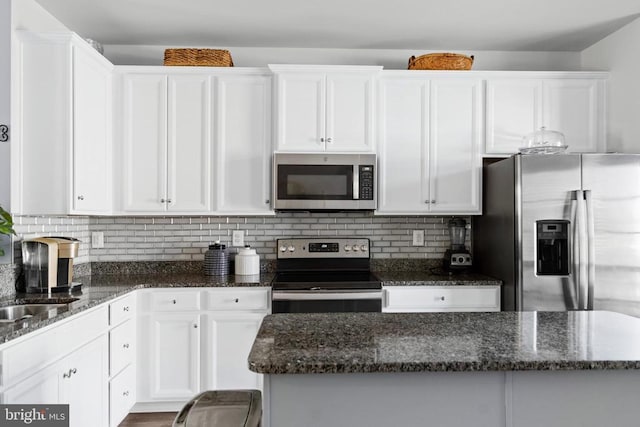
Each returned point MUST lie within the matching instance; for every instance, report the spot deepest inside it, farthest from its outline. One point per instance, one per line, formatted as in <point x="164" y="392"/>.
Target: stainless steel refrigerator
<point x="562" y="231"/>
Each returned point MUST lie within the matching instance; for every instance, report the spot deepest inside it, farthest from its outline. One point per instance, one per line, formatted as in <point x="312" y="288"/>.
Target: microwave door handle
<point x="356" y="183"/>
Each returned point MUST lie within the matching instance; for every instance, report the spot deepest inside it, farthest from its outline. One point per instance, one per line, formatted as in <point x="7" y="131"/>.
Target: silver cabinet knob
<point x="329" y="140"/>
<point x="126" y="393"/>
<point x="80" y="197"/>
<point x="267" y="201"/>
<point x="195" y="326"/>
<point x="433" y="201"/>
<point x="237" y="300"/>
<point x="125" y="345"/>
<point x="174" y="301"/>
<point x="168" y="200"/>
<point x="163" y="201"/>
<point x="427" y="201"/>
<point x="441" y="298"/>
<point x="125" y="308"/>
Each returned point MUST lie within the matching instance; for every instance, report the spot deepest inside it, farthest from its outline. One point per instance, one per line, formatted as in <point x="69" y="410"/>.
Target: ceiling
<point x="533" y="25"/>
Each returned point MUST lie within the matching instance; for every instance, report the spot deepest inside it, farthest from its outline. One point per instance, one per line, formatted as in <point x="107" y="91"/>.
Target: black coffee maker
<point x="457" y="258"/>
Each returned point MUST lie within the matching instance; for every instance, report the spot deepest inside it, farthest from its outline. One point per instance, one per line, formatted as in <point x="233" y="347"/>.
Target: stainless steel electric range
<point x="323" y="275"/>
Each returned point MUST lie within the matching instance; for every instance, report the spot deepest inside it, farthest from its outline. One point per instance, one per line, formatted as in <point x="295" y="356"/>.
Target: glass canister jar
<point x="216" y="260"/>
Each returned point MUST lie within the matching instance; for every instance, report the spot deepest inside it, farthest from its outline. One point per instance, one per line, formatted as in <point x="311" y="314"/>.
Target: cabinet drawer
<point x="175" y="301"/>
<point x="122" y="309"/>
<point x="238" y="299"/>
<point x="122" y="346"/>
<point x="122" y="395"/>
<point x="454" y="298"/>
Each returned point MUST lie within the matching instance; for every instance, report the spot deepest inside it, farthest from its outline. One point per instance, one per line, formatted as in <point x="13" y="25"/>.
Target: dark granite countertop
<point x="428" y="278"/>
<point x="97" y="289"/>
<point x="100" y="289"/>
<point x="436" y="342"/>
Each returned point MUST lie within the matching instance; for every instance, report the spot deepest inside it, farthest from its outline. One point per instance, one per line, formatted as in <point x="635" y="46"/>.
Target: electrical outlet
<point x="418" y="237"/>
<point x="237" y="238"/>
<point x="97" y="240"/>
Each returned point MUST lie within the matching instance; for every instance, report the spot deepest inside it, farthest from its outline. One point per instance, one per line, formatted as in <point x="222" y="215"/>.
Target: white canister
<point x="247" y="261"/>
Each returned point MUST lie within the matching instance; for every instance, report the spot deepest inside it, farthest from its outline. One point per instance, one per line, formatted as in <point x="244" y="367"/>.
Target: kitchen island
<point x="450" y="369"/>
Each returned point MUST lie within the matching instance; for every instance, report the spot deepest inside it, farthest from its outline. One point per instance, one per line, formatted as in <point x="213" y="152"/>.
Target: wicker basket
<point x="441" y="61"/>
<point x="198" y="57"/>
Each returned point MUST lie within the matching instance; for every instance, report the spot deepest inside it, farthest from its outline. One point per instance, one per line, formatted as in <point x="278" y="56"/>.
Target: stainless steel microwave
<point x="324" y="182"/>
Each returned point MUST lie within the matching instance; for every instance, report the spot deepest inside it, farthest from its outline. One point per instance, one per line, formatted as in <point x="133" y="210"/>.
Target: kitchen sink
<point x="14" y="313"/>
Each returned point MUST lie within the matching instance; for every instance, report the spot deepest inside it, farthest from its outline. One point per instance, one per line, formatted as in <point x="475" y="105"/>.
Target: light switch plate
<point x="418" y="237"/>
<point x="237" y="238"/>
<point x="97" y="240"/>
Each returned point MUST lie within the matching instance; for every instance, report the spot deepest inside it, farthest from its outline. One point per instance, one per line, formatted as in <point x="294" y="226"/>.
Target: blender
<point x="457" y="258"/>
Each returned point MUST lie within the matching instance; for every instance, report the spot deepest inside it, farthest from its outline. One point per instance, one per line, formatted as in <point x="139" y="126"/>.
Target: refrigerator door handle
<point x="583" y="256"/>
<point x="575" y="252"/>
<point x="591" y="254"/>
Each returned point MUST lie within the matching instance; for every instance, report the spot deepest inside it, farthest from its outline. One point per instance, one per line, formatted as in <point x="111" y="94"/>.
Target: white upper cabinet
<point x="61" y="158"/>
<point x="572" y="103"/>
<point x="189" y="144"/>
<point x="166" y="144"/>
<point x="430" y="136"/>
<point x="243" y="143"/>
<point x="327" y="108"/>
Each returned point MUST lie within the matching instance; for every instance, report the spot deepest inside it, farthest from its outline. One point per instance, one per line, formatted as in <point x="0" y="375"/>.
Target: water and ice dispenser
<point x="552" y="248"/>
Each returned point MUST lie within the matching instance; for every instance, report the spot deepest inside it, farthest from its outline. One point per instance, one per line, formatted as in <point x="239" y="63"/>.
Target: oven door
<point x="334" y="301"/>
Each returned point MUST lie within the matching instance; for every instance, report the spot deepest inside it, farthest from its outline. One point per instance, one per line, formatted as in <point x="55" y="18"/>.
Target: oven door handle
<point x="325" y="295"/>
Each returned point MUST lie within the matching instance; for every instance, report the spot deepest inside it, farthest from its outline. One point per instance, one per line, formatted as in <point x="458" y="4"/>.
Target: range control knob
<point x="283" y="248"/>
<point x="291" y="248"/>
<point x="356" y="248"/>
<point x="347" y="248"/>
<point x="363" y="248"/>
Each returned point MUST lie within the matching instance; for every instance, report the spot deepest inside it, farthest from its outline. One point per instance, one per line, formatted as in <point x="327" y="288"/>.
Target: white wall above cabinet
<point x="520" y="103"/>
<point x="324" y="108"/>
<point x="61" y="150"/>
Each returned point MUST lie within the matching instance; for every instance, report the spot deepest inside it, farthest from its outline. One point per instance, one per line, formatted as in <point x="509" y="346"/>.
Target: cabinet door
<point x="243" y="144"/>
<point x="455" y="130"/>
<point x="91" y="133"/>
<point x="39" y="389"/>
<point x="83" y="384"/>
<point x="171" y="358"/>
<point x="575" y="108"/>
<point x="301" y="112"/>
<point x="189" y="144"/>
<point x="402" y="146"/>
<point x="349" y="112"/>
<point x="144" y="143"/>
<point x="514" y="109"/>
<point x="230" y="337"/>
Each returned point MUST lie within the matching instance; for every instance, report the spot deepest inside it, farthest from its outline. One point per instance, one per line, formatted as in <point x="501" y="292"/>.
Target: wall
<point x="389" y="58"/>
<point x="618" y="53"/>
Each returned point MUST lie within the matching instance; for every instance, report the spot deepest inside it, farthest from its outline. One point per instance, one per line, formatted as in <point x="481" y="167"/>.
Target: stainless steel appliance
<point x="562" y="231"/>
<point x="325" y="182"/>
<point x="321" y="275"/>
<point x="48" y="264"/>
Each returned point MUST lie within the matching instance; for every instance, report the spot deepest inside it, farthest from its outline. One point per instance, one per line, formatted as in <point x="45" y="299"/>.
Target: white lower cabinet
<point x="399" y="299"/>
<point x="229" y="340"/>
<point x="75" y="371"/>
<point x="195" y="340"/>
<point x="122" y="395"/>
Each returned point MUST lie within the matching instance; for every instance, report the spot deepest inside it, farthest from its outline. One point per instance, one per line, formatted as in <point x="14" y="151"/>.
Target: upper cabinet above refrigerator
<point x="518" y="104"/>
<point x="328" y="108"/>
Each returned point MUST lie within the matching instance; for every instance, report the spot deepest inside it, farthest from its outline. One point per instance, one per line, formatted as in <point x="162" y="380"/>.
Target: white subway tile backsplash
<point x="187" y="238"/>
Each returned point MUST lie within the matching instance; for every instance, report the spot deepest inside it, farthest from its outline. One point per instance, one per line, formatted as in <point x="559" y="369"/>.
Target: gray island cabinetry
<point x="511" y="369"/>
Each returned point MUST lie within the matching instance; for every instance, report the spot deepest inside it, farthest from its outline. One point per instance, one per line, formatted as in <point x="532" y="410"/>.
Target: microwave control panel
<point x="366" y="182"/>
